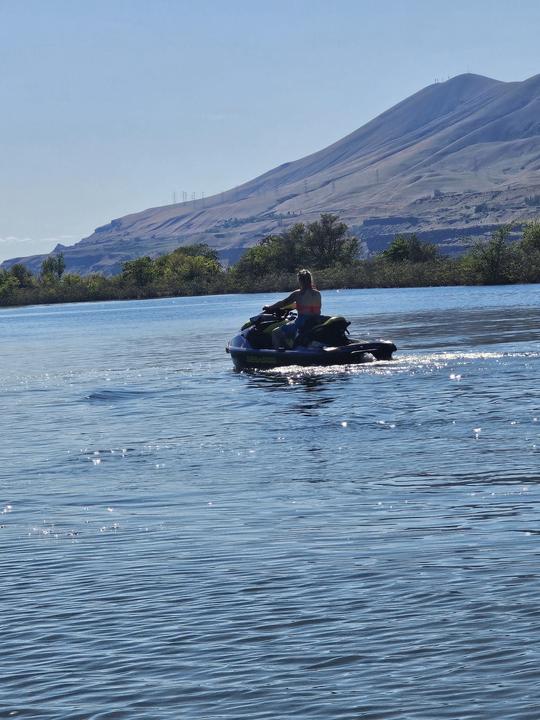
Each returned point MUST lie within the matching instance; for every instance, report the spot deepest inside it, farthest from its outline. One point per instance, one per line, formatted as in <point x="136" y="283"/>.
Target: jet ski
<point x="326" y="343"/>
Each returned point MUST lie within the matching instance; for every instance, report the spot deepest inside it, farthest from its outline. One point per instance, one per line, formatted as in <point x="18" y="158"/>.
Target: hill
<point x="450" y="162"/>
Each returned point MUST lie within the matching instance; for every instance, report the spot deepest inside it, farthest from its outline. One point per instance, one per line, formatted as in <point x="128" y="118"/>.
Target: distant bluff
<point x="450" y="162"/>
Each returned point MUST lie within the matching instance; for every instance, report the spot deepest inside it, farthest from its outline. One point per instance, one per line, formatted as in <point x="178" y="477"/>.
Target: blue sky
<point x="110" y="107"/>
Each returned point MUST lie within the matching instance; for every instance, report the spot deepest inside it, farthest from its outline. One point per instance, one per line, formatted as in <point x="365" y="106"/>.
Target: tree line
<point x="325" y="246"/>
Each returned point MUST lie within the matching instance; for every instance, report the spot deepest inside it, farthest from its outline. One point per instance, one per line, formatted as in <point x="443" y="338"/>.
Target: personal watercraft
<point x="326" y="343"/>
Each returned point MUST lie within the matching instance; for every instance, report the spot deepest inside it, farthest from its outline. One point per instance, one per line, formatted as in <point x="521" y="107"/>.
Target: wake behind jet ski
<point x="326" y="343"/>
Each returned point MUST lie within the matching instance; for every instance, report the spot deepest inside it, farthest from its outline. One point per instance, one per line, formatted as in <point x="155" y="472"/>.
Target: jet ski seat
<point x="331" y="331"/>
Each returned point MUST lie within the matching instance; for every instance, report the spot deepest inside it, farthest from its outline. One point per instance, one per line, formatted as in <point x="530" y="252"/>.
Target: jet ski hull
<point x="246" y="357"/>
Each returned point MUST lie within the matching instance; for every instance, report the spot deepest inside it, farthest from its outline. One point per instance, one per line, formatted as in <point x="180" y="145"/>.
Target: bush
<point x="408" y="248"/>
<point x="493" y="262"/>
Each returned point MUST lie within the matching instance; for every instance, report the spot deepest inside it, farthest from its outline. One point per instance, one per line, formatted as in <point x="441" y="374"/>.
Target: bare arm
<point x="283" y="303"/>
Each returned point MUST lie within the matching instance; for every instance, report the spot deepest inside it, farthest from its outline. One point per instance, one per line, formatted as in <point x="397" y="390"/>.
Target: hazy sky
<point x="111" y="106"/>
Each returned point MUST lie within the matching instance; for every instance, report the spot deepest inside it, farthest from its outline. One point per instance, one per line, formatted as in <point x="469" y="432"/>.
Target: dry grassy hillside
<point x="450" y="162"/>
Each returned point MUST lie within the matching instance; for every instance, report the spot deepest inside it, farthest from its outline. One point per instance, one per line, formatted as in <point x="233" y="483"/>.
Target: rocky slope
<point x="450" y="162"/>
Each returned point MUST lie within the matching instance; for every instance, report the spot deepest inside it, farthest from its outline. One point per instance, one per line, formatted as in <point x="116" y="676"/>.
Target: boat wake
<point x="413" y="363"/>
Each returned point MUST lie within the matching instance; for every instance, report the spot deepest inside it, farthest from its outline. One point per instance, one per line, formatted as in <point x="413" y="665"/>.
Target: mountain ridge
<point x="460" y="157"/>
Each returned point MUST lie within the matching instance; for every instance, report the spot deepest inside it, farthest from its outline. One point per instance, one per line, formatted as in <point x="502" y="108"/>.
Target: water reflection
<point x="308" y="378"/>
<point x="272" y="380"/>
<point x="314" y="382"/>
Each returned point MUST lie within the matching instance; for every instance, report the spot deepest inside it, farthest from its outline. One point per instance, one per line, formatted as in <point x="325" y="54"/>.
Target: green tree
<point x="139" y="272"/>
<point x="52" y="268"/>
<point x="321" y="244"/>
<point x="22" y="274"/>
<point x="493" y="261"/>
<point x="177" y="270"/>
<point x="327" y="243"/>
<point x="99" y="287"/>
<point x="273" y="254"/>
<point x="409" y="248"/>
<point x="8" y="287"/>
<point x="289" y="249"/>
<point x="531" y="236"/>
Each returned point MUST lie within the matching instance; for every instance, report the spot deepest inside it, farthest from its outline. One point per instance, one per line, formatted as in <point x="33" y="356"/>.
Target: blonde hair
<point x="305" y="279"/>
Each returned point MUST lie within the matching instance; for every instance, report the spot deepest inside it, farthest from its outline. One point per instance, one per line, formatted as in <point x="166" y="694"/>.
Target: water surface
<point x="182" y="541"/>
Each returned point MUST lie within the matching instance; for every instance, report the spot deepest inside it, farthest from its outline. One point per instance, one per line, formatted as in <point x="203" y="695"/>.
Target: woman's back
<point x="308" y="301"/>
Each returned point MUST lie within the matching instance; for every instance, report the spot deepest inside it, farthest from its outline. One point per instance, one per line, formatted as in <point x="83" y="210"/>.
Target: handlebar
<point x="279" y="312"/>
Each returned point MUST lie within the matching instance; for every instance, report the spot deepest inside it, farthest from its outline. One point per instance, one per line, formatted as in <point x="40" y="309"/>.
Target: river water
<point x="182" y="541"/>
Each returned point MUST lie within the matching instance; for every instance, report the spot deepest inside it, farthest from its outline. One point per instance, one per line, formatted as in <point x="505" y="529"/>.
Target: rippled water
<point x="182" y="541"/>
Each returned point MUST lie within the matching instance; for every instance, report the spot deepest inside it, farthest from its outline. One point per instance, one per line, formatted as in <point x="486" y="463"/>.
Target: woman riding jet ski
<point x="307" y="301"/>
<point x="278" y="337"/>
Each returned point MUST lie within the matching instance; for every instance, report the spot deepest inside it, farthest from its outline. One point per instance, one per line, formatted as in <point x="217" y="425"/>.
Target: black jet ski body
<point x="326" y="343"/>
